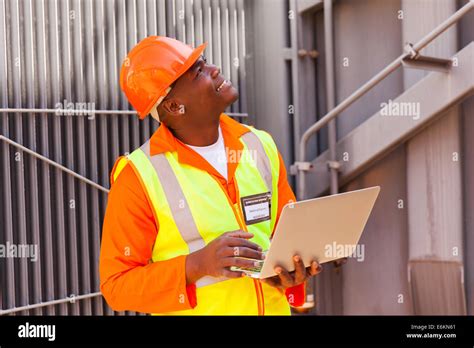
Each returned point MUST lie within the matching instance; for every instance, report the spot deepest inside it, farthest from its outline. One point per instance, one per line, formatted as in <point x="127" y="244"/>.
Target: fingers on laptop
<point x="286" y="279"/>
<point x="314" y="269"/>
<point x="300" y="270"/>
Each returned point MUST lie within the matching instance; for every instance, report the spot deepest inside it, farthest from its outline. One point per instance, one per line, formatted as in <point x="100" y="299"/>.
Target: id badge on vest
<point x="256" y="208"/>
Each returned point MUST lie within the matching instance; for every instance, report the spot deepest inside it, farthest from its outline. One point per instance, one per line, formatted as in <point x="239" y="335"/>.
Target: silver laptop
<point x="322" y="229"/>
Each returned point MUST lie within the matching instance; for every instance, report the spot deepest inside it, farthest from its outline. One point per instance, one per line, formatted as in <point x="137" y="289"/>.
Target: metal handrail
<point x="54" y="164"/>
<point x="78" y="176"/>
<point x="71" y="299"/>
<point x="81" y="112"/>
<point x="303" y="166"/>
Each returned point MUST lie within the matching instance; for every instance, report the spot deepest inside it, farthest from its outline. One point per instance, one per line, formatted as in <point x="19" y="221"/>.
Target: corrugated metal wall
<point x="70" y="51"/>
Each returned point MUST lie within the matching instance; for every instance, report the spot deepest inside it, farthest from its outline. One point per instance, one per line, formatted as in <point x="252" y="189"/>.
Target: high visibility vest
<point x="192" y="210"/>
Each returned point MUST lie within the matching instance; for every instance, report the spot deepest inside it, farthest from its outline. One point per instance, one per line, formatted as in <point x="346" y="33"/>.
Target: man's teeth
<point x="221" y="85"/>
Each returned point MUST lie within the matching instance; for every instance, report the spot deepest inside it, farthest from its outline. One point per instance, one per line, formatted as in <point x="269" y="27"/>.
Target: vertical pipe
<point x="294" y="74"/>
<point x="80" y="148"/>
<point x="243" y="76"/>
<point x="233" y="49"/>
<point x="131" y="15"/>
<point x="189" y="22"/>
<point x="330" y="89"/>
<point x="101" y="81"/>
<point x="328" y="285"/>
<point x="44" y="64"/>
<point x="7" y="199"/>
<point x="71" y="198"/>
<point x="152" y="27"/>
<point x="225" y="41"/>
<point x="207" y="28"/>
<point x="33" y="221"/>
<point x="170" y="18"/>
<point x="142" y="32"/>
<point x="198" y="23"/>
<point x="58" y="178"/>
<point x="94" y="224"/>
<point x="122" y="53"/>
<point x="216" y="33"/>
<point x="19" y="184"/>
<point x="162" y="17"/>
<point x="113" y="88"/>
<point x="179" y="18"/>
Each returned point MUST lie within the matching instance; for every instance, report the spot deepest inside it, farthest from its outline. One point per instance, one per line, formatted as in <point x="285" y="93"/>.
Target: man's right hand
<point x="216" y="258"/>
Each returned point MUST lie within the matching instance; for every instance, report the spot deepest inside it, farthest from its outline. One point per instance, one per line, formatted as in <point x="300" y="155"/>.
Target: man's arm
<point x="129" y="281"/>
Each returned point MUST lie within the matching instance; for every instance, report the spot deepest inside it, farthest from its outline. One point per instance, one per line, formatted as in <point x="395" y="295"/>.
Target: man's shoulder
<point x="123" y="176"/>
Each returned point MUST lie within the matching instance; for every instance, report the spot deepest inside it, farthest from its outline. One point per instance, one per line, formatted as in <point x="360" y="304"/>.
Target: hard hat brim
<point x="193" y="57"/>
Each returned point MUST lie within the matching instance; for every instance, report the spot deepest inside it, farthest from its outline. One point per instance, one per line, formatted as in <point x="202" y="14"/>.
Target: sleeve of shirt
<point x="296" y="295"/>
<point x="129" y="279"/>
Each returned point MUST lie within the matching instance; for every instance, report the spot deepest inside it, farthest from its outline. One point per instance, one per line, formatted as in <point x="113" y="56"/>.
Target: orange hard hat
<point x="150" y="69"/>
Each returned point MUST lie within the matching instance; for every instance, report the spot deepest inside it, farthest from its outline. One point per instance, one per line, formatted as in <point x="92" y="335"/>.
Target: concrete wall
<point x="379" y="284"/>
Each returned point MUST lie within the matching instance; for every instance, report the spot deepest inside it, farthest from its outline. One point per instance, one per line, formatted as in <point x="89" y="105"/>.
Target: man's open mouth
<point x="222" y="85"/>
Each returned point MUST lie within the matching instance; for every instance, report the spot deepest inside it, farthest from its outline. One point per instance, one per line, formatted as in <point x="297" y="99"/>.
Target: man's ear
<point x="173" y="107"/>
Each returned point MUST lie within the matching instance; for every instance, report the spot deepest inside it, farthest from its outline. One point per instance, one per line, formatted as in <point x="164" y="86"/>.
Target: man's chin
<point x="231" y="98"/>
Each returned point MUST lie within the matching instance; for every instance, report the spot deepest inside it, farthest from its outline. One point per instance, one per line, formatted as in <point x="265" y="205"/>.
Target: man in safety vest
<point x="202" y="195"/>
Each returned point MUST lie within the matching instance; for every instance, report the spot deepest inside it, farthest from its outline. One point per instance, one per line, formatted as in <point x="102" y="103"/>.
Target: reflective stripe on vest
<point x="176" y="200"/>
<point x="192" y="209"/>
<point x="179" y="206"/>
<point x="255" y="146"/>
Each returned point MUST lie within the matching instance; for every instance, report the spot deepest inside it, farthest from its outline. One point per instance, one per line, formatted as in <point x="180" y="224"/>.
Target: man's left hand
<point x="285" y="279"/>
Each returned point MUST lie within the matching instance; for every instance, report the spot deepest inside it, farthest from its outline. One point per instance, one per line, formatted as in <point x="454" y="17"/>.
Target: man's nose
<point x="215" y="71"/>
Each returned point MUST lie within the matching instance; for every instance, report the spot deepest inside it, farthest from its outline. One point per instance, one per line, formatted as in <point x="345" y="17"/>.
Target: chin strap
<point x="154" y="109"/>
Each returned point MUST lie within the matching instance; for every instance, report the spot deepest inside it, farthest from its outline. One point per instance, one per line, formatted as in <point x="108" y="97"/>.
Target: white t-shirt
<point x="214" y="154"/>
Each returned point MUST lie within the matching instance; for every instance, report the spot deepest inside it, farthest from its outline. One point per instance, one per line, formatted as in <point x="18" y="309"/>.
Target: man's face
<point x="203" y="92"/>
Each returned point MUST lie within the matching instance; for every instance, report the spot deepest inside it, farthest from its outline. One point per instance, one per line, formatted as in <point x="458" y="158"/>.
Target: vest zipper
<point x="240" y="220"/>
